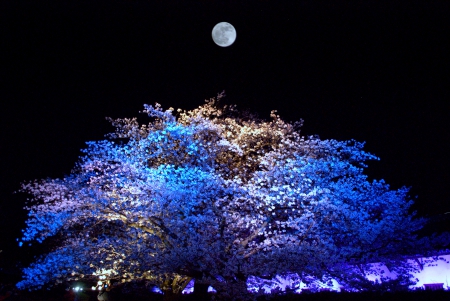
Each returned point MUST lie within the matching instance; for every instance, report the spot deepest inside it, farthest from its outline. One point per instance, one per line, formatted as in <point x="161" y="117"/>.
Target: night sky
<point x="368" y="71"/>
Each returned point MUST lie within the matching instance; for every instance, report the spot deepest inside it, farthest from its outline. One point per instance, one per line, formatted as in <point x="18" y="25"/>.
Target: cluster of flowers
<point x="214" y="195"/>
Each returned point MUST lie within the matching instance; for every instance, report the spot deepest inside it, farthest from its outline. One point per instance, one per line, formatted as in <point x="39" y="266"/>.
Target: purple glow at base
<point x="437" y="272"/>
<point x="290" y="282"/>
<point x="189" y="289"/>
<point x="430" y="272"/>
<point x="156" y="290"/>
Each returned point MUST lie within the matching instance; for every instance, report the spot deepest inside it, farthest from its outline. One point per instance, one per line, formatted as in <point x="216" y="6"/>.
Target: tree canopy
<point x="215" y="195"/>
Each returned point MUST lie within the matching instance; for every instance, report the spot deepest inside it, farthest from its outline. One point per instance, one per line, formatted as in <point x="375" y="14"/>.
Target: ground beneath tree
<point x="58" y="295"/>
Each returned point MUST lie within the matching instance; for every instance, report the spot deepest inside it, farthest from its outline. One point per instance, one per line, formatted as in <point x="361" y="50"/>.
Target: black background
<point x="368" y="70"/>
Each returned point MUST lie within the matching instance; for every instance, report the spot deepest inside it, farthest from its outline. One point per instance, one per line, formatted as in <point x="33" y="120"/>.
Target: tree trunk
<point x="233" y="290"/>
<point x="201" y="292"/>
<point x="173" y="287"/>
<point x="169" y="295"/>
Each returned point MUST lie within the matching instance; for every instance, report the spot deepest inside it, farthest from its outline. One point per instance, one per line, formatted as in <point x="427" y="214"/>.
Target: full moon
<point x="224" y="34"/>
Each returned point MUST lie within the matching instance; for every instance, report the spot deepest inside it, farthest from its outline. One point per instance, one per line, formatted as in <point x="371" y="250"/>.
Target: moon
<point x="224" y="34"/>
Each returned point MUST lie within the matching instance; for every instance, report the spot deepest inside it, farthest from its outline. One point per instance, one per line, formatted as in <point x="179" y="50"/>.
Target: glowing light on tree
<point x="217" y="196"/>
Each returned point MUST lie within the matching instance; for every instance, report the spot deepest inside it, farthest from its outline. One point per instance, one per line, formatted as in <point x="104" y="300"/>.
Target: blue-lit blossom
<point x="216" y="196"/>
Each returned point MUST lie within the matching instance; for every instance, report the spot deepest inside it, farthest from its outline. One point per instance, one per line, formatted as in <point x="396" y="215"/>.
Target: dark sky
<point x="372" y="71"/>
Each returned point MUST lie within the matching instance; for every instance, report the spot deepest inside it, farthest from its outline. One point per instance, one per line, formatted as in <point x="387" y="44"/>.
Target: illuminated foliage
<point x="218" y="196"/>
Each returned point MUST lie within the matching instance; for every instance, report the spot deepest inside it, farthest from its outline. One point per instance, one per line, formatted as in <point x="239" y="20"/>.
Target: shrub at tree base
<point x="216" y="196"/>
